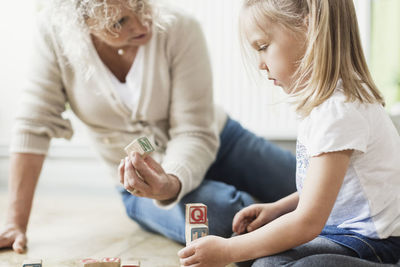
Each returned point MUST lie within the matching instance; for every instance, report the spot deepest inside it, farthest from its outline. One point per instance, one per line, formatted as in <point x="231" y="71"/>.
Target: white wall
<point x="15" y="28"/>
<point x="363" y="9"/>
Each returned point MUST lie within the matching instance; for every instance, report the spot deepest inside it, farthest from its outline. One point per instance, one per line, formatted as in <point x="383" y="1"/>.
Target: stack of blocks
<point x="141" y="145"/>
<point x="108" y="262"/>
<point x="196" y="224"/>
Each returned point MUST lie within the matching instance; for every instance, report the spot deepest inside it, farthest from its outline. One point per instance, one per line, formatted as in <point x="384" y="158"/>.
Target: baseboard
<point x="59" y="151"/>
<point x="80" y="151"/>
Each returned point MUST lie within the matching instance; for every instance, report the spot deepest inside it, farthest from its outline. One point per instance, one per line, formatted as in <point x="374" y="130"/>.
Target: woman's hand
<point x="13" y="236"/>
<point x="146" y="178"/>
<point x="208" y="251"/>
<point x="253" y="217"/>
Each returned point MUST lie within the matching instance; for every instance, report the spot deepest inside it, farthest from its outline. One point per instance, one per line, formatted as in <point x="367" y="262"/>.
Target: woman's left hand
<point x="208" y="251"/>
<point x="146" y="178"/>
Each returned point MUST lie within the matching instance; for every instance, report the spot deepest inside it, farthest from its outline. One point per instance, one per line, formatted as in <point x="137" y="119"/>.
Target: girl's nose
<point x="263" y="66"/>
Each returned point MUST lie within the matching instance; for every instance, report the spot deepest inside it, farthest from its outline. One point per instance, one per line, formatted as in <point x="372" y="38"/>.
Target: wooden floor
<point x="77" y="214"/>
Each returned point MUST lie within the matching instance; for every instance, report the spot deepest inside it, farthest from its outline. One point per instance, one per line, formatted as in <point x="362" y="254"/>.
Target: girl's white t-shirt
<point x="129" y="91"/>
<point x="369" y="200"/>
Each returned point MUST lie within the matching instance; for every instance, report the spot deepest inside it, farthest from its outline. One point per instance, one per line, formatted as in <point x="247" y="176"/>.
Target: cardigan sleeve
<point x="193" y="133"/>
<point x="39" y="115"/>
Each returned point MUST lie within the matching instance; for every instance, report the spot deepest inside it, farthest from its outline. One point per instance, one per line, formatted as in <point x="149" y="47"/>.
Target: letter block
<point x="110" y="262"/>
<point x="32" y="263"/>
<point x="131" y="264"/>
<point x="89" y="263"/>
<point x="141" y="145"/>
<point x="196" y="213"/>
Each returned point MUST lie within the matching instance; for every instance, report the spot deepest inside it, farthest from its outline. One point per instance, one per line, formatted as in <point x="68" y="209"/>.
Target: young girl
<point x="347" y="208"/>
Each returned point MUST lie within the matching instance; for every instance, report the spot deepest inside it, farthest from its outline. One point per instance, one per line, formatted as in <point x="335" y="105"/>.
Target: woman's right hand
<point x="13" y="237"/>
<point x="253" y="217"/>
<point x="144" y="177"/>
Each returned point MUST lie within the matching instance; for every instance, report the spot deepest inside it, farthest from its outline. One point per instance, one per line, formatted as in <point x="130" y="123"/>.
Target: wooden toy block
<point x="141" y="145"/>
<point x="110" y="262"/>
<point x="195" y="231"/>
<point x="196" y="213"/>
<point x="131" y="264"/>
<point x="32" y="263"/>
<point x="196" y="223"/>
<point x="89" y="263"/>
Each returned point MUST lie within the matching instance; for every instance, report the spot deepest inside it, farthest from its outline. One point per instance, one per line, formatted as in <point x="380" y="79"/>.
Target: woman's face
<point x="128" y="29"/>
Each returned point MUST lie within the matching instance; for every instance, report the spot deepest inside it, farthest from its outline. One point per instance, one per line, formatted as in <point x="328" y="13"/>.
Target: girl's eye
<point x="262" y="48"/>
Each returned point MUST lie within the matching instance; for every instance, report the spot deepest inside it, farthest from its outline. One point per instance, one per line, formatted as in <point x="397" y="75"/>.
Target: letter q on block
<point x="198" y="214"/>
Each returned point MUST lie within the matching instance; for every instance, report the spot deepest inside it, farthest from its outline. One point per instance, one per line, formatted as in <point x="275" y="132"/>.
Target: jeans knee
<point x="224" y="208"/>
<point x="223" y="202"/>
<point x="270" y="261"/>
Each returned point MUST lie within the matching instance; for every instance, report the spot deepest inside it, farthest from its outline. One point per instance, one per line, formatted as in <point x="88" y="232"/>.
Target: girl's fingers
<point x="186" y="252"/>
<point x="241" y="227"/>
<point x="238" y="220"/>
<point x="243" y="218"/>
<point x="257" y="223"/>
<point x="189" y="261"/>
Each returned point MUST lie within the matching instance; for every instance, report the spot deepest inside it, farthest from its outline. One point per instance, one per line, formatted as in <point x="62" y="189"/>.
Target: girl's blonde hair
<point x="333" y="49"/>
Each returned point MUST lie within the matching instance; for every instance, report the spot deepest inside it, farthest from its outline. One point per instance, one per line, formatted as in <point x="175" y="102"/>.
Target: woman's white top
<point x="129" y="91"/>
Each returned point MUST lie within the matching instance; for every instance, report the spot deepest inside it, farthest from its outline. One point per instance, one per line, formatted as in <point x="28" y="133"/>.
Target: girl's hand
<point x="253" y="217"/>
<point x="208" y="251"/>
<point x="12" y="236"/>
<point x="146" y="178"/>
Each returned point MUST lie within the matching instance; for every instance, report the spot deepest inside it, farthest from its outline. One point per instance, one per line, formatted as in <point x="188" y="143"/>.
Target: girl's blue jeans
<point x="246" y="166"/>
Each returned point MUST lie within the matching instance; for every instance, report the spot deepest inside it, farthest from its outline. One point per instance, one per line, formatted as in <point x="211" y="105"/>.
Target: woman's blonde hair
<point x="106" y="15"/>
<point x="68" y="18"/>
<point x="333" y="49"/>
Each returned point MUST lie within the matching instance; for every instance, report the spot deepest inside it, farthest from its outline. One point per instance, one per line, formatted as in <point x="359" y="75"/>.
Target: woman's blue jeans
<point x="246" y="166"/>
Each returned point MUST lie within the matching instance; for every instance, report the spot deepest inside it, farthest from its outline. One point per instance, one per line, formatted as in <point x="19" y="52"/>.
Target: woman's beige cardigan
<point x="175" y="107"/>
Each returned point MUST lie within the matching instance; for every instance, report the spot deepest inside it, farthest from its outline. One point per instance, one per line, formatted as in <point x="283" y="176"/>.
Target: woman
<point x="129" y="69"/>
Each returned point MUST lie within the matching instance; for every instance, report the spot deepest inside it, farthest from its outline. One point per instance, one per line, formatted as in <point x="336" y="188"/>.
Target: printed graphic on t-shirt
<point x="351" y="210"/>
<point x="302" y="161"/>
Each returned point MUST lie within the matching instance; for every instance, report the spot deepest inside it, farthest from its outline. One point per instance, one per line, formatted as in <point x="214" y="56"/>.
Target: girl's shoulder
<point x="339" y="103"/>
<point x="336" y="107"/>
<point x="335" y="125"/>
